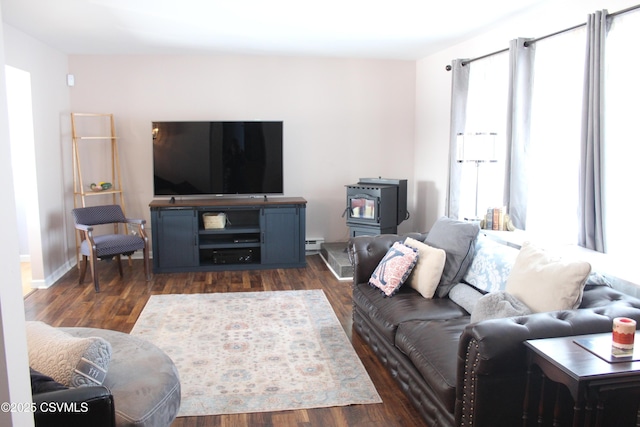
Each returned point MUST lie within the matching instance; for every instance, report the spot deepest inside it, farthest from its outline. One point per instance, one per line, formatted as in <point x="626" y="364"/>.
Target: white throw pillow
<point x="71" y="361"/>
<point x="428" y="270"/>
<point x="545" y="282"/>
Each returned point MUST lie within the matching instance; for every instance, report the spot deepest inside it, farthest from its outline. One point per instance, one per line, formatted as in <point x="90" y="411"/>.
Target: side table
<point x="588" y="376"/>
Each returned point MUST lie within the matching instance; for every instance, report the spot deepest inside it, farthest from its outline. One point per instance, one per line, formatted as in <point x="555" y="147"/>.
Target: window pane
<point x="486" y="112"/>
<point x="554" y="157"/>
<point x="622" y="149"/>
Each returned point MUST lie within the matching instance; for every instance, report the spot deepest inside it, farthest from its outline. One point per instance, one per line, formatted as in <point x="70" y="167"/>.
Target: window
<point x="554" y="157"/>
<point x="486" y="112"/>
<point x="622" y="138"/>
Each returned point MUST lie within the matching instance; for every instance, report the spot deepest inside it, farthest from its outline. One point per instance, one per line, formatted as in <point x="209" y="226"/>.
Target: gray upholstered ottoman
<point x="142" y="378"/>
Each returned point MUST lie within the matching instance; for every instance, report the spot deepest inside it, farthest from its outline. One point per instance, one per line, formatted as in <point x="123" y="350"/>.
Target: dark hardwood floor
<point x="120" y="302"/>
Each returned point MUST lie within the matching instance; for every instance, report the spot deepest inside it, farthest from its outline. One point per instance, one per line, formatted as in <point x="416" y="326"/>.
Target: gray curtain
<point x="459" y="93"/>
<point x="591" y="231"/>
<point x="518" y="129"/>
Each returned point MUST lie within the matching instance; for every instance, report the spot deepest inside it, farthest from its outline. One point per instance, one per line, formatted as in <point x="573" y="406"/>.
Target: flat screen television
<point x="217" y="158"/>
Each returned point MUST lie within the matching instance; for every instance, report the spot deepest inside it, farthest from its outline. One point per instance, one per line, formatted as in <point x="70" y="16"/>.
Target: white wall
<point x="343" y="119"/>
<point x="433" y="88"/>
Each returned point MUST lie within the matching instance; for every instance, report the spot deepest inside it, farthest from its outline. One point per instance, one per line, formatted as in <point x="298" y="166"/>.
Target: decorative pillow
<point x="427" y="272"/>
<point x="457" y="238"/>
<point x="491" y="265"/>
<point x="597" y="279"/>
<point x="496" y="305"/>
<point x="547" y="283"/>
<point x="394" y="268"/>
<point x="71" y="361"/>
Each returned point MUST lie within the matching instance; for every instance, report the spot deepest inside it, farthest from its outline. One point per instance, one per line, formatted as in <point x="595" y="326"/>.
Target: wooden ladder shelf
<point x="95" y="146"/>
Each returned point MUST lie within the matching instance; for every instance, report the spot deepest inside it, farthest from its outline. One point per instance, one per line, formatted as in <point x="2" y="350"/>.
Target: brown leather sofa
<point x="458" y="373"/>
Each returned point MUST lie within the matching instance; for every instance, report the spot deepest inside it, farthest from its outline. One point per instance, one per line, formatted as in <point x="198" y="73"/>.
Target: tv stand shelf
<point x="259" y="233"/>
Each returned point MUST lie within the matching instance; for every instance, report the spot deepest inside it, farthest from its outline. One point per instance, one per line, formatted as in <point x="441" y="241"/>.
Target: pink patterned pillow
<point x="394" y="268"/>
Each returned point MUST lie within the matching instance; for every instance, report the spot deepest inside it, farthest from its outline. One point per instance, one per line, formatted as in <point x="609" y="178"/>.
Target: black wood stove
<point x="376" y="206"/>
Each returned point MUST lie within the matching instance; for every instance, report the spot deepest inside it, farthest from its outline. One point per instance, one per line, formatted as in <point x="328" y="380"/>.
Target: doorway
<point x="23" y="162"/>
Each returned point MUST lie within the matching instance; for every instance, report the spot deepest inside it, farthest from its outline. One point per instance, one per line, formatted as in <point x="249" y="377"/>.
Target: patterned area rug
<point x="256" y="351"/>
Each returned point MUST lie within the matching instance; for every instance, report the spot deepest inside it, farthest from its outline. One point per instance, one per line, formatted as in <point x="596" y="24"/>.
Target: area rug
<point x="256" y="351"/>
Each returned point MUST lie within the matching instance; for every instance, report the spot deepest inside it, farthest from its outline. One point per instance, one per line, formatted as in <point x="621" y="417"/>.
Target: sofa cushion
<point x="394" y="268"/>
<point x="491" y="265"/>
<point x="432" y="346"/>
<point x="428" y="270"/>
<point x="545" y="282"/>
<point x="69" y="360"/>
<point x="457" y="239"/>
<point x="407" y="304"/>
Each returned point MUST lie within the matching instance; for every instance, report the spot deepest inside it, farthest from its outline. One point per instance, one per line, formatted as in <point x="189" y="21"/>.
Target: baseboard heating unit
<point x="313" y="244"/>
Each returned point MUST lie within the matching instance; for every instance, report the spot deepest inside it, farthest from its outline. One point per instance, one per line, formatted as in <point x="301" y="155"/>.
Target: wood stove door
<point x="363" y="209"/>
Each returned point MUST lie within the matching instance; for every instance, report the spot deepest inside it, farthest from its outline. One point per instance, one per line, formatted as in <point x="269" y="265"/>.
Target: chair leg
<point x="94" y="274"/>
<point x="83" y="269"/>
<point x="147" y="272"/>
<point x="119" y="261"/>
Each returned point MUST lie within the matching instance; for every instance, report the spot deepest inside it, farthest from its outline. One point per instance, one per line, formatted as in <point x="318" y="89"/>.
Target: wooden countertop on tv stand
<point x="227" y="201"/>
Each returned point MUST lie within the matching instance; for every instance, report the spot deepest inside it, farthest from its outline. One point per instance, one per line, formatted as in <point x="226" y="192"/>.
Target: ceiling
<point x="398" y="29"/>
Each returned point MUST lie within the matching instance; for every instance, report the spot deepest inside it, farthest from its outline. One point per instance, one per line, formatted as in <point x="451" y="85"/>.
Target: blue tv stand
<point x="260" y="233"/>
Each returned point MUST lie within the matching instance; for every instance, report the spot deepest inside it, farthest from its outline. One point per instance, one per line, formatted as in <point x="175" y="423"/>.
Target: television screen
<point x="217" y="158"/>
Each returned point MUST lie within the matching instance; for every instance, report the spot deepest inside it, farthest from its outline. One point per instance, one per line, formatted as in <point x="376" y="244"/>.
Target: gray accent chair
<point x="111" y="245"/>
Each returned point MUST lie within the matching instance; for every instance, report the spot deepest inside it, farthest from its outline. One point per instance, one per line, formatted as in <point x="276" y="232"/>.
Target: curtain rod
<point x="530" y="42"/>
<point x="468" y="61"/>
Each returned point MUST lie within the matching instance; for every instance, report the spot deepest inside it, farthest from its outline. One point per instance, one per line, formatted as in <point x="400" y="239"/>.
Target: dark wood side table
<point x="573" y="361"/>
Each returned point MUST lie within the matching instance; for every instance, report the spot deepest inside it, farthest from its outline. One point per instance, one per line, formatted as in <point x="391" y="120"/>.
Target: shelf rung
<point x="229" y="245"/>
<point x="98" y="193"/>
<point x="92" y="114"/>
<point x="96" y="137"/>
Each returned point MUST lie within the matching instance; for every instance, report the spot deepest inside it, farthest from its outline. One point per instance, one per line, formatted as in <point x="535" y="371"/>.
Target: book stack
<point x="495" y="219"/>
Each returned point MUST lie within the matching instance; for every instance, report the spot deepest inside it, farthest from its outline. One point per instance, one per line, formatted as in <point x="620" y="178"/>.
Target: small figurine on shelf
<point x="100" y="186"/>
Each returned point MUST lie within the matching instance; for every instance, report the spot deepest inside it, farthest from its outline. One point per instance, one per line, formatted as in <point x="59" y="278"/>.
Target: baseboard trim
<point x="64" y="269"/>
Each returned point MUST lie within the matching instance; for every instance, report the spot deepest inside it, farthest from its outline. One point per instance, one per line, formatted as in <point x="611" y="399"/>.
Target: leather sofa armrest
<point x="365" y="252"/>
<point x="492" y="360"/>
<point x="82" y="406"/>
<point x="498" y="342"/>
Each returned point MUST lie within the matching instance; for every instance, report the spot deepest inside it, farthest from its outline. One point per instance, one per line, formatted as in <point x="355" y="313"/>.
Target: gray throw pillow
<point x="465" y="296"/>
<point x="457" y="239"/>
